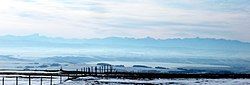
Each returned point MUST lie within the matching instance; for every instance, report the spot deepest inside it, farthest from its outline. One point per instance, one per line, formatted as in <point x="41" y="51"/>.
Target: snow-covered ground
<point x="11" y="80"/>
<point x="177" y="81"/>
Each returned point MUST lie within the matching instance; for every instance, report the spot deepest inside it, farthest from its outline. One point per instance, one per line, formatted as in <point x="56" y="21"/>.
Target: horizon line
<point x="123" y="37"/>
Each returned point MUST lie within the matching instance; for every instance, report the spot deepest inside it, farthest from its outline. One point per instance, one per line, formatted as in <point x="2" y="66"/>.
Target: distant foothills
<point x="207" y="51"/>
<point x="37" y="40"/>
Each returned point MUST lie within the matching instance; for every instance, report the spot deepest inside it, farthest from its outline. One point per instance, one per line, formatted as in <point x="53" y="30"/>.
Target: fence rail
<point x="103" y="71"/>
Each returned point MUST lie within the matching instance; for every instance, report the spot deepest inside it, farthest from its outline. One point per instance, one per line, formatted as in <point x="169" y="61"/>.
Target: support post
<point x="60" y="79"/>
<point x="16" y="80"/>
<point x="3" y="81"/>
<point x="41" y="81"/>
<point x="29" y="80"/>
<point x="51" y="80"/>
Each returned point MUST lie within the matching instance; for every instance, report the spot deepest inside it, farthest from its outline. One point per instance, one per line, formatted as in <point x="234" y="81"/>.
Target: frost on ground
<point x="177" y="81"/>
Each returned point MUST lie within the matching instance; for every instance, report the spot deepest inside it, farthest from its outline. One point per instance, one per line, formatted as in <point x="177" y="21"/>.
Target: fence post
<point x="29" y="80"/>
<point x="16" y="80"/>
<point x="3" y="81"/>
<point x="41" y="81"/>
<point x="51" y="80"/>
<point x="60" y="79"/>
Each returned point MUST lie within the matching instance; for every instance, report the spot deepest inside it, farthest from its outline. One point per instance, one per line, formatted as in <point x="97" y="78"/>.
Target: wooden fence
<point x="110" y="72"/>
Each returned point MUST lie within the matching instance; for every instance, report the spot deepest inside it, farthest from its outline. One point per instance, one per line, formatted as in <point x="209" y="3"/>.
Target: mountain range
<point x="209" y="51"/>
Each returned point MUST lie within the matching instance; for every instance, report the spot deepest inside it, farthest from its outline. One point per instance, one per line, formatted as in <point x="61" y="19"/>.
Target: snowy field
<point x="23" y="80"/>
<point x="85" y="81"/>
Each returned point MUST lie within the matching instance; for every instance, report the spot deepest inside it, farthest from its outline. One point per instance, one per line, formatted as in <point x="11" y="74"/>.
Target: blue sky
<point x="162" y="19"/>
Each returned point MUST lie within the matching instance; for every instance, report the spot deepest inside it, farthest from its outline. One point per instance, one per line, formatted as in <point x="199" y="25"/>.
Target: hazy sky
<point x="227" y="19"/>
